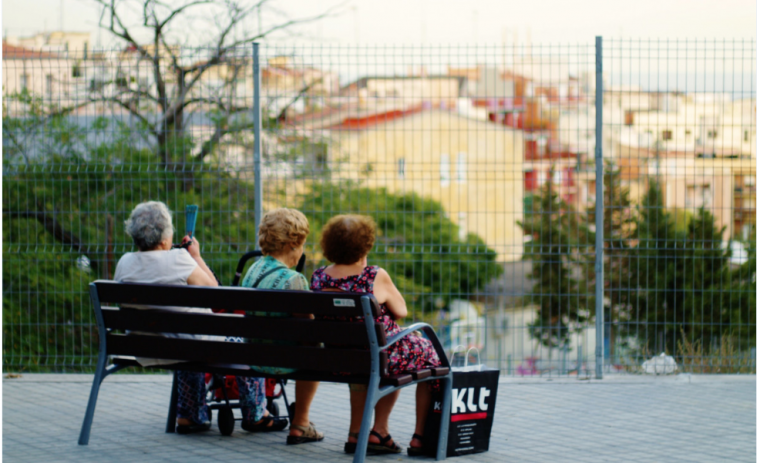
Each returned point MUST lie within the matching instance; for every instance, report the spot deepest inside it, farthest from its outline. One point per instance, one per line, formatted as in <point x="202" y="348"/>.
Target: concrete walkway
<point x="625" y="419"/>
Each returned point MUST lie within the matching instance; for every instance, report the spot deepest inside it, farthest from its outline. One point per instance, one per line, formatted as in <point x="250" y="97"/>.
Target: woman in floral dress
<point x="346" y="241"/>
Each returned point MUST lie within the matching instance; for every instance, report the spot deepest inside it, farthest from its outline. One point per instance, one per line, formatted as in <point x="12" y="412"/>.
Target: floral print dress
<point x="409" y="354"/>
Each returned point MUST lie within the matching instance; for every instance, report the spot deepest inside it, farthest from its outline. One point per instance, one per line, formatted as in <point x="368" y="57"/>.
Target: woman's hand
<point x="202" y="276"/>
<point x="194" y="246"/>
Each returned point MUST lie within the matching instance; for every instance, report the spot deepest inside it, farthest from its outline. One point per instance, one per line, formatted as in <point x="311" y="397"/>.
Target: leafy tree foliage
<point x="416" y="243"/>
<point x="559" y="291"/>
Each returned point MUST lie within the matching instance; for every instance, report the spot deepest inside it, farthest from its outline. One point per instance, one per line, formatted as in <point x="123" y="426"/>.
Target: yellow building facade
<point x="473" y="168"/>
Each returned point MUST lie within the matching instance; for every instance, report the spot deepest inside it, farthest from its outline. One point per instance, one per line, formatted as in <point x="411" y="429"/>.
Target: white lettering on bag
<point x="471" y="402"/>
<point x="457" y="400"/>
<point x="481" y="399"/>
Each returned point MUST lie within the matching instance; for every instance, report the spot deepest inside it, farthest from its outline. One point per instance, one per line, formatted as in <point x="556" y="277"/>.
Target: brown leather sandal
<point x="309" y="434"/>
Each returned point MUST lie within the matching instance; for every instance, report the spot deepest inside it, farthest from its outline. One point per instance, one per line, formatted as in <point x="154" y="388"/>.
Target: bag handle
<point x="467" y="354"/>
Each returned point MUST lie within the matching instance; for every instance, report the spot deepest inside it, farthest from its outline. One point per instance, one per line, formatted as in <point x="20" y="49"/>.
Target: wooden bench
<point x="351" y="352"/>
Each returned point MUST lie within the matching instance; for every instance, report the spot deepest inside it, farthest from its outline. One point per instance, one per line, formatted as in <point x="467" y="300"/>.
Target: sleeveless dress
<point x="409" y="354"/>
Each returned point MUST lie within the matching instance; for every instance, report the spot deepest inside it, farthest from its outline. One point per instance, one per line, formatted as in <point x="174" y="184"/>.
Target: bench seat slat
<point x="289" y="356"/>
<point x="234" y="298"/>
<point x="420" y="374"/>
<point x="391" y="380"/>
<point x="272" y="328"/>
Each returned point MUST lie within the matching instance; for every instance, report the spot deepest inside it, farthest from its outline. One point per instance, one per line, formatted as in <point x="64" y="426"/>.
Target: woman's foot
<point x="187" y="426"/>
<point x="379" y="444"/>
<point x="416" y="446"/>
<point x="266" y="424"/>
<point x="303" y="434"/>
<point x="376" y="443"/>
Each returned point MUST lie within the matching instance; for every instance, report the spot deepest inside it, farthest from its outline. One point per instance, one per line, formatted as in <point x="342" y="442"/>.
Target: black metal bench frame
<point x="359" y="357"/>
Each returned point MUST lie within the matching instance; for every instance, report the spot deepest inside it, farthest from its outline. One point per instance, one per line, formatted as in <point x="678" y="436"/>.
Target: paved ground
<point x="645" y="419"/>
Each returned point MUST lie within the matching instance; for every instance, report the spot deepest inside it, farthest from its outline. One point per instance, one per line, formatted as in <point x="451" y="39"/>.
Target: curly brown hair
<point x="280" y="228"/>
<point x="348" y="238"/>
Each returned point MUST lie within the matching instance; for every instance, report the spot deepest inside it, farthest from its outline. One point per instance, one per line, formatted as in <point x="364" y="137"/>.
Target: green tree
<point x="684" y="281"/>
<point x="740" y="300"/>
<point x="655" y="269"/>
<point x="619" y="228"/>
<point x="63" y="216"/>
<point x="416" y="243"/>
<point x="560" y="295"/>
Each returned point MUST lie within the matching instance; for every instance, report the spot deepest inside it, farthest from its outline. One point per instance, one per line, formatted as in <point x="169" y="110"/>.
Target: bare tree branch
<point x="51" y="224"/>
<point x="300" y="94"/>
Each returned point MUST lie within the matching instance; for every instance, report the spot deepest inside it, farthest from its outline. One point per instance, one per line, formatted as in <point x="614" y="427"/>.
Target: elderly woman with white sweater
<point x="151" y="228"/>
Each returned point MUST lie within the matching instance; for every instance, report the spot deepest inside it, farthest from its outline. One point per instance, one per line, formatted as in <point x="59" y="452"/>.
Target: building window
<point x="629" y="118"/>
<point x="712" y="134"/>
<point x="530" y="180"/>
<point x="667" y="135"/>
<point x="401" y="168"/>
<point x="462" y="168"/>
<point x="746" y="135"/>
<point x="24" y="81"/>
<point x="557" y="177"/>
<point x="444" y="170"/>
<point x="541" y="177"/>
<point x="688" y="132"/>
<point x="462" y="223"/>
<point x="698" y="196"/>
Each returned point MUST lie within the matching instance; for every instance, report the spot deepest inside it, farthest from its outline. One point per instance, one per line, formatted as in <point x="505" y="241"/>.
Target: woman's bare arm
<point x="387" y="293"/>
<point x="202" y="275"/>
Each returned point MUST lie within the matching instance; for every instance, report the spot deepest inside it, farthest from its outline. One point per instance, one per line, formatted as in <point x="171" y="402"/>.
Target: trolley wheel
<point x="273" y="408"/>
<point x="226" y="420"/>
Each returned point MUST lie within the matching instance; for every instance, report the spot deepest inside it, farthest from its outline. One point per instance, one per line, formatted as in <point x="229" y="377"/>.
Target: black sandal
<point x="350" y="447"/>
<point x="277" y="425"/>
<point x="192" y="428"/>
<point x="384" y="446"/>
<point x="416" y="451"/>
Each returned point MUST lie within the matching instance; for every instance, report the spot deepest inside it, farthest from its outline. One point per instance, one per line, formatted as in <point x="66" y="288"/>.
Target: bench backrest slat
<point x="354" y="361"/>
<point x="232" y="298"/>
<point x="274" y="328"/>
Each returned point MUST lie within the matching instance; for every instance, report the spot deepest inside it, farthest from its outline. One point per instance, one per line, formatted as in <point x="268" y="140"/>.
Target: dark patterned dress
<point x="409" y="354"/>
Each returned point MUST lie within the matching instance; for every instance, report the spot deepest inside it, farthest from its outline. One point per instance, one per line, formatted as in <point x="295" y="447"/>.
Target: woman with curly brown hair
<point x="346" y="241"/>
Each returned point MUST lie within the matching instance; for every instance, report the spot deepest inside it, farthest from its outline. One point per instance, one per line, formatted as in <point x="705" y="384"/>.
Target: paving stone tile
<point x="627" y="419"/>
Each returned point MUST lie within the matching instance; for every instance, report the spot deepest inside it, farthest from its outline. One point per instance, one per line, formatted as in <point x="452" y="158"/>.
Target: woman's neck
<point x="348" y="269"/>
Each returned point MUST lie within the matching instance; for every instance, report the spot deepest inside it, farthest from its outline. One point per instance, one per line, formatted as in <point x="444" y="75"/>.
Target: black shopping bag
<point x="474" y="394"/>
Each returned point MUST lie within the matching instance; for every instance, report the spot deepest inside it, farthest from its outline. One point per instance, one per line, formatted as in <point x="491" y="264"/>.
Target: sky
<point x="443" y="22"/>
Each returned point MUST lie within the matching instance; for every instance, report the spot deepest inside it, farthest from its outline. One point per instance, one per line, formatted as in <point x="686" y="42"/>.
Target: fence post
<point x="599" y="216"/>
<point x="257" y="119"/>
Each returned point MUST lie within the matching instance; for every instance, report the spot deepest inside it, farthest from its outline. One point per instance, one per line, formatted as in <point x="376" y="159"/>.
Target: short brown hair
<point x="281" y="228"/>
<point x="348" y="238"/>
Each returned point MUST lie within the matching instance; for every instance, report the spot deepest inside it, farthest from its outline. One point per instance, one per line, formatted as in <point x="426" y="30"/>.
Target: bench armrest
<point x="428" y="330"/>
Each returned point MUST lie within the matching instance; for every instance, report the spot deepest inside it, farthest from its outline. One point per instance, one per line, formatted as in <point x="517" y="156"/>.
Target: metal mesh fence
<point x="477" y="163"/>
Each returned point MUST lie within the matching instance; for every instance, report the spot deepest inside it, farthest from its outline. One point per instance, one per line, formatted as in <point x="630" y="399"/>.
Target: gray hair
<point x="149" y="224"/>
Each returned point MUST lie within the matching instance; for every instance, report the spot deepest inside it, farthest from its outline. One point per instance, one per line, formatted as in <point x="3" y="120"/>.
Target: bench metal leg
<point x="441" y="449"/>
<point x="173" y="404"/>
<point x="365" y="425"/>
<point x="90" y="414"/>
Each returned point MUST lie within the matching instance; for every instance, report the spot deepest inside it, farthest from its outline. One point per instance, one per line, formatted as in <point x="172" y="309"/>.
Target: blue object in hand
<point x="191" y="215"/>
